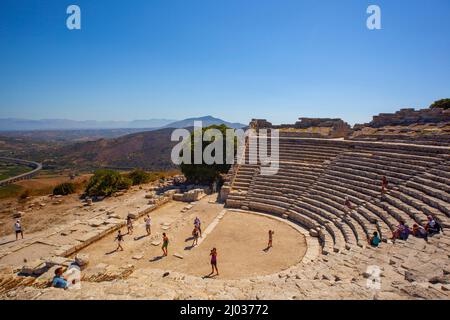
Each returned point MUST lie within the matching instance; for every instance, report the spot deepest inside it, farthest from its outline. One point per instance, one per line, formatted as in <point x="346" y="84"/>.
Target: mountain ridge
<point x="18" y="124"/>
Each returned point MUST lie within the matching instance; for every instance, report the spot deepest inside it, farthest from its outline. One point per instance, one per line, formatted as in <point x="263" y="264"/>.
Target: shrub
<point x="443" y="103"/>
<point x="106" y="182"/>
<point x="64" y="189"/>
<point x="124" y="183"/>
<point x="25" y="194"/>
<point x="139" y="176"/>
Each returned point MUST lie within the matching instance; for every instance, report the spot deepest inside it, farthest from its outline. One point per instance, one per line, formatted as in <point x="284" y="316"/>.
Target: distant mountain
<point x="149" y="149"/>
<point x="206" y="121"/>
<point x="13" y="124"/>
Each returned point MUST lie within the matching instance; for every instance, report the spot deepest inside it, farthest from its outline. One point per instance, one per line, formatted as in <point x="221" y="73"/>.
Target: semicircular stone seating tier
<point x="315" y="177"/>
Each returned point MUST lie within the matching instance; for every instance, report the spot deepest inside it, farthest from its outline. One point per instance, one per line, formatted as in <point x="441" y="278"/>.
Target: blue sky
<point x="234" y="59"/>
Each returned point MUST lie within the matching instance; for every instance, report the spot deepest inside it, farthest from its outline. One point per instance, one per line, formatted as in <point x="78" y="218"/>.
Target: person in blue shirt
<point x="58" y="280"/>
<point x="375" y="240"/>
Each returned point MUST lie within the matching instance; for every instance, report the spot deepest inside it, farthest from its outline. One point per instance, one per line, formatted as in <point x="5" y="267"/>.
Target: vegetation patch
<point x="9" y="170"/>
<point x="64" y="189"/>
<point x="10" y="191"/>
<point x="105" y="182"/>
<point x="443" y="104"/>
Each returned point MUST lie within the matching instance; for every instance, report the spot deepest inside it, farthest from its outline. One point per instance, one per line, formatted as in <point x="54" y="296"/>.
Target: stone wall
<point x="408" y="116"/>
<point x="337" y="128"/>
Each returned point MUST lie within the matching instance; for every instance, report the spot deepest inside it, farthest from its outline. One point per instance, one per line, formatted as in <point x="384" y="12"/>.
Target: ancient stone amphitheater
<point x="310" y="188"/>
<point x="314" y="179"/>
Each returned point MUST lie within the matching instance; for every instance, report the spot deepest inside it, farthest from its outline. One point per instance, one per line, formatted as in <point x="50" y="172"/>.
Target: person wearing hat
<point x="18" y="229"/>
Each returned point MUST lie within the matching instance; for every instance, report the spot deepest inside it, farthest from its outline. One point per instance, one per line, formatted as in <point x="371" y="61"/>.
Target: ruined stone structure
<point x="407" y="117"/>
<point x="308" y="127"/>
<point x="427" y="126"/>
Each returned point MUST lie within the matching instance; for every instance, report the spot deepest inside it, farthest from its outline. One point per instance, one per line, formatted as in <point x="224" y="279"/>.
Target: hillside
<point x="91" y="149"/>
<point x="150" y="150"/>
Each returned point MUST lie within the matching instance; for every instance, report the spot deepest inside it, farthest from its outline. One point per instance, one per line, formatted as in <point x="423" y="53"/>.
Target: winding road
<point x="24" y="176"/>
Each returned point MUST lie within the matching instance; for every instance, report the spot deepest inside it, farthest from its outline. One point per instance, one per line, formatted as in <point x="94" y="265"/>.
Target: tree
<point x="207" y="173"/>
<point x="64" y="189"/>
<point x="443" y="104"/>
<point x="139" y="176"/>
<point x="106" y="182"/>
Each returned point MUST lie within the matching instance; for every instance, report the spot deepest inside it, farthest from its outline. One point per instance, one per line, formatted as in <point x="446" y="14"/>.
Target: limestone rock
<point x="82" y="259"/>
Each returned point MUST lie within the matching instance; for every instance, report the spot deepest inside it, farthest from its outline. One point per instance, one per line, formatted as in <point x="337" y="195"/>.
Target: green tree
<point x="139" y="176"/>
<point x="64" y="189"/>
<point x="206" y="173"/>
<point x="106" y="182"/>
<point x="443" y="104"/>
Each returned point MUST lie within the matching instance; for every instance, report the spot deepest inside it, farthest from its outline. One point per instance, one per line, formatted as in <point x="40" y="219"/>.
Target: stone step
<point x="435" y="176"/>
<point x="388" y="166"/>
<point x="360" y="181"/>
<point x="429" y="200"/>
<point x="373" y="172"/>
<point x="432" y="181"/>
<point x="327" y="220"/>
<point x="361" y="227"/>
<point x="357" y="232"/>
<point x="442" y="195"/>
<point x="383" y="228"/>
<point x="347" y="186"/>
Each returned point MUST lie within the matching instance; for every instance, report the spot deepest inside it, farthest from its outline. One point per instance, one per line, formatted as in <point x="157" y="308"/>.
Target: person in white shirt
<point x="148" y="225"/>
<point x="18" y="229"/>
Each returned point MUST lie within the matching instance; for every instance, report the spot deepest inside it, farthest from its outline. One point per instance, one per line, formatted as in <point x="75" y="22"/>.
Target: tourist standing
<point x="165" y="244"/>
<point x="384" y="184"/>
<point x="270" y="244"/>
<point x="129" y="225"/>
<point x="195" y="235"/>
<point x="119" y="240"/>
<point x="213" y="255"/>
<point x="148" y="225"/>
<point x="348" y="204"/>
<point x="198" y="225"/>
<point x="18" y="229"/>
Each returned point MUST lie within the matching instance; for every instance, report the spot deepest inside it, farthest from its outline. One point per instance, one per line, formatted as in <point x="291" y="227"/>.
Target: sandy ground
<point x="38" y="222"/>
<point x="37" y="217"/>
<point x="240" y="239"/>
<point x="50" y="181"/>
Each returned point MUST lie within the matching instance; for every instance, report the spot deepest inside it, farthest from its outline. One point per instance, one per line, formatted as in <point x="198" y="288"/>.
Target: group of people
<point x="403" y="231"/>
<point x="196" y="233"/>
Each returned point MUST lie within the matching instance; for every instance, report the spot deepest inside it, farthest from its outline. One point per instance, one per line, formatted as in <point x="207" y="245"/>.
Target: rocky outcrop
<point x="409" y="116"/>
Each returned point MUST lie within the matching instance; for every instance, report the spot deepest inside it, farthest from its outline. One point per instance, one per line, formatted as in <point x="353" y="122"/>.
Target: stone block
<point x="57" y="261"/>
<point x="82" y="259"/>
